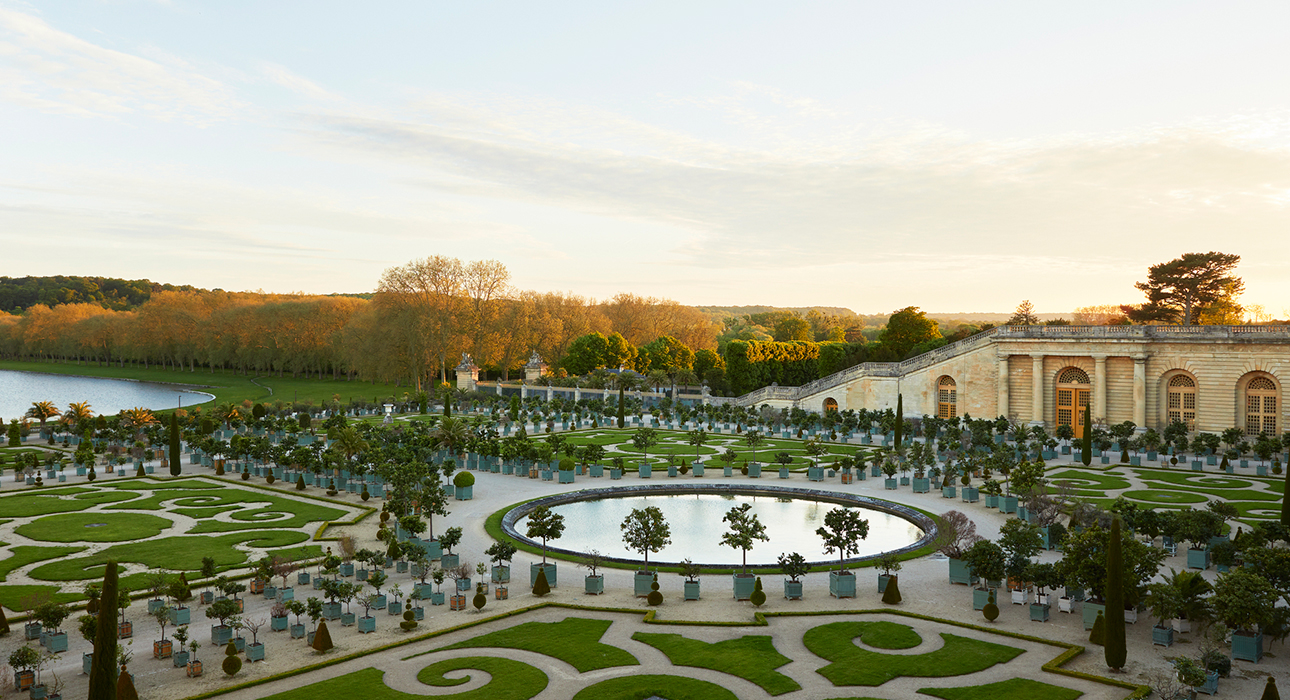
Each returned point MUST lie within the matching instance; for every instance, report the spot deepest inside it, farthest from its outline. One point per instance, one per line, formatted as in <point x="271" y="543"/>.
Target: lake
<point x="106" y="396"/>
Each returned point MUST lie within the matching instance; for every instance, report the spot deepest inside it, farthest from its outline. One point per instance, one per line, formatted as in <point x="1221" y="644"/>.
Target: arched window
<point x="1072" y="397"/>
<point x="946" y="398"/>
<point x="1182" y="401"/>
<point x="830" y="405"/>
<point x="1261" y="407"/>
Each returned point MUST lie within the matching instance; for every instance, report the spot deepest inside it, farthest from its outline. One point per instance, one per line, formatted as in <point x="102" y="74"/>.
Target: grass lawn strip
<point x="24" y="555"/>
<point x="75" y="527"/>
<point x="27" y="504"/>
<point x="855" y="666"/>
<point x="1011" y="689"/>
<point x="302" y="513"/>
<point x="512" y="680"/>
<point x="12" y="596"/>
<point x="648" y="686"/>
<point x="752" y="657"/>
<point x="573" y="640"/>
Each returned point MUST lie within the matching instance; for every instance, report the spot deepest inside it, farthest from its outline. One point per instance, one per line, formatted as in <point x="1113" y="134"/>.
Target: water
<point x="697" y="526"/>
<point x="106" y="396"/>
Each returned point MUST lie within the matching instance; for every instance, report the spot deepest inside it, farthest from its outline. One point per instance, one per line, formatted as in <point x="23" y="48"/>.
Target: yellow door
<point x="1071" y="401"/>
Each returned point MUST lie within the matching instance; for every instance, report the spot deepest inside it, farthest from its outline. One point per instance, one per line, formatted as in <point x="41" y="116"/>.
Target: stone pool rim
<point x="916" y="517"/>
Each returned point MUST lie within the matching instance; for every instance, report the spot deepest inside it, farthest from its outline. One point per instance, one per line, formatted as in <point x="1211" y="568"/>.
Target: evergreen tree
<point x="1270" y="691"/>
<point x="990" y="610"/>
<point x="541" y="586"/>
<point x="1115" y="650"/>
<point x="125" y="689"/>
<point x="174" y="445"/>
<point x="891" y="595"/>
<point x="4" y="622"/>
<point x="1098" y="635"/>
<point x="622" y="411"/>
<point x="1285" y="500"/>
<point x="104" y="663"/>
<point x="1086" y="442"/>
<point x="900" y="418"/>
<point x="322" y="638"/>
<point x="758" y="597"/>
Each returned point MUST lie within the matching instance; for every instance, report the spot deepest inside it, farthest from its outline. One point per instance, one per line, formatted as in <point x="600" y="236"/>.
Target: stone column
<point x="1037" y="389"/>
<point x="1099" y="388"/>
<point x="1003" y="385"/>
<point x="1140" y="393"/>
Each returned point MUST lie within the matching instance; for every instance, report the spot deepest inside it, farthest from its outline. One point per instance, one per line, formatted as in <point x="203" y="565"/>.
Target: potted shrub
<point x="461" y="574"/>
<point x="594" y="583"/>
<point x="544" y="524"/>
<point x="24" y="661"/>
<point x="51" y="616"/>
<point x="744" y="530"/>
<point x="1020" y="541"/>
<point x="463" y="483"/>
<point x="1044" y="576"/>
<point x="645" y="530"/>
<point x="283" y="568"/>
<point x="890" y="565"/>
<point x="367" y="623"/>
<point x="566" y="470"/>
<point x="1191" y="588"/>
<point x="1163" y="601"/>
<point x="794" y="567"/>
<point x="438" y="576"/>
<point x="179" y="659"/>
<point x="194" y="666"/>
<point x="842" y="530"/>
<point x="162" y="648"/>
<point x="297" y="608"/>
<point x="889" y="468"/>
<point x="313" y="609"/>
<point x="225" y="612"/>
<point x="501" y="553"/>
<point x="986" y="560"/>
<point x="690" y="571"/>
<point x="783" y="459"/>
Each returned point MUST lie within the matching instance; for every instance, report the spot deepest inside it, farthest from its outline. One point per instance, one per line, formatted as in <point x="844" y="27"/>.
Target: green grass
<point x="573" y="640"/>
<point x="511" y="680"/>
<point x="30" y="504"/>
<point x="24" y="555"/>
<point x="171" y="553"/>
<point x="752" y="658"/>
<point x="1164" y="496"/>
<point x="12" y="596"/>
<point x="647" y="686"/>
<point x="268" y="505"/>
<point x="74" y="527"/>
<point x="1011" y="689"/>
<point x="852" y="665"/>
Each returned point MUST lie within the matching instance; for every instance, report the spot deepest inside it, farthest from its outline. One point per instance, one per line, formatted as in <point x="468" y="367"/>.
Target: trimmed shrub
<point x="758" y="597"/>
<point x="1098" y="635"/>
<point x="4" y="622"/>
<point x="409" y="621"/>
<point x="541" y="586"/>
<point x="300" y="482"/>
<point x="365" y="495"/>
<point x="322" y="638"/>
<point x="566" y="464"/>
<point x="270" y="478"/>
<point x="891" y="594"/>
<point x="232" y="664"/>
<point x="1270" y="691"/>
<point x="480" y="600"/>
<point x="655" y="596"/>
<point x="125" y="689"/>
<point x="991" y="609"/>
<point x="463" y="479"/>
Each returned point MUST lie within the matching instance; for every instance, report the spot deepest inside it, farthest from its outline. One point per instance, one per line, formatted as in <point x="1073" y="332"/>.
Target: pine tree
<point x="1098" y="635"/>
<point x="1086" y="442"/>
<point x="322" y="638"/>
<point x="104" y="662"/>
<point x="174" y="445"/>
<point x="1115" y="650"/>
<point x="541" y="587"/>
<point x="891" y="595"/>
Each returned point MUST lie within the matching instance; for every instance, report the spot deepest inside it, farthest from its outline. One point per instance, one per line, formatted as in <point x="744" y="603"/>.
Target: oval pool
<point x="18" y="390"/>
<point x="593" y="520"/>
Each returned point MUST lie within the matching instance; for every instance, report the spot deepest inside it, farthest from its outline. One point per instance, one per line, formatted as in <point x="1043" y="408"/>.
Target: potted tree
<point x="1163" y="602"/>
<point x="783" y="459"/>
<point x="283" y="568"/>
<point x="544" y="524"/>
<point x="367" y="623"/>
<point x="986" y="561"/>
<point x="744" y="531"/>
<point x="1191" y="588"/>
<point x="162" y="648"/>
<point x="51" y="616"/>
<point x="278" y="619"/>
<point x="955" y="534"/>
<point x="180" y="593"/>
<point x="842" y="531"/>
<point x="449" y="539"/>
<point x="297" y="608"/>
<point x="889" y="468"/>
<point x="1244" y="601"/>
<point x="225" y="612"/>
<point x="23" y="661"/>
<point x="461" y="573"/>
<point x="194" y="665"/>
<point x="594" y="583"/>
<point x="1020" y="541"/>
<point x="179" y="659"/>
<point x="794" y="567"/>
<point x="691" y="572"/>
<point x="254" y="650"/>
<point x="566" y="470"/>
<point x="313" y="609"/>
<point x="645" y="530"/>
<point x="438" y="576"/>
<point x="501" y="553"/>
<point x="1045" y="576"/>
<point x="890" y="565"/>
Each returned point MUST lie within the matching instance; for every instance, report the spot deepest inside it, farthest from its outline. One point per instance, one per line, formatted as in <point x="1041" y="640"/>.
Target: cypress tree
<point x="900" y="418"/>
<point x="4" y="622"/>
<point x="1270" y="691"/>
<point x="1285" y="504"/>
<point x="1114" y="648"/>
<point x="104" y="663"/>
<point x="1086" y="442"/>
<point x="174" y="445"/>
<point x="447" y="401"/>
<point x="622" y="413"/>
<point x="891" y="595"/>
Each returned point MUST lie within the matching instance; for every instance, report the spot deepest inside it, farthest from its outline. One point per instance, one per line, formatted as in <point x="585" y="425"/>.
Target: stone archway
<point x="1073" y="393"/>
<point x="830" y="404"/>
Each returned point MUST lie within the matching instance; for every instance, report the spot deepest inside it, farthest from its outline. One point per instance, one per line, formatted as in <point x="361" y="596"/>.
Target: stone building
<point x="1212" y="377"/>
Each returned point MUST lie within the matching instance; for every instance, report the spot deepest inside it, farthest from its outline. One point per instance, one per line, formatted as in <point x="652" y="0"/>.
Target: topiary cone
<point x="540" y="586"/>
<point x="1098" y="635"/>
<point x="125" y="686"/>
<point x="991" y="610"/>
<point x="300" y="482"/>
<point x="1270" y="690"/>
<point x="891" y="595"/>
<point x="322" y="638"/>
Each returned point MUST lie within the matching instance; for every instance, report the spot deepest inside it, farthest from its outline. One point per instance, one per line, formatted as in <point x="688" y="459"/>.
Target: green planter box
<point x="220" y="635"/>
<point x="754" y="471"/>
<point x="594" y="585"/>
<point x="331" y="611"/>
<point x="842" y="584"/>
<point x="698" y="469"/>
<point x="180" y="616"/>
<point x="815" y="473"/>
<point x="642" y="581"/>
<point x="255" y="652"/>
<point x="744" y="584"/>
<point x="889" y="484"/>
<point x="1090" y="613"/>
<point x="644" y="471"/>
<point x="671" y="471"/>
<point x="883" y="580"/>
<point x="971" y="494"/>
<point x="501" y="574"/>
<point x="691" y="590"/>
<point x="1009" y="504"/>
<point x="783" y="472"/>
<point x="1039" y="613"/>
<point x="793" y="590"/>
<point x="1198" y="559"/>
<point x="279" y="624"/>
<point x="1247" y="647"/>
<point x="1162" y="636"/>
<point x="550" y="574"/>
<point x="981" y="596"/>
<point x="597" y="470"/>
<point x="615" y="474"/>
<point x="566" y="476"/>
<point x="949" y="492"/>
<point x="992" y="500"/>
<point x="367" y="625"/>
<point x="728" y="471"/>
<point x="960" y="572"/>
<point x="922" y="485"/>
<point x="449" y="561"/>
<point x="464" y="493"/>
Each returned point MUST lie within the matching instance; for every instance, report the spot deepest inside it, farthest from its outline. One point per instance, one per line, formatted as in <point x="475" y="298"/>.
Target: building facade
<point x="1211" y="377"/>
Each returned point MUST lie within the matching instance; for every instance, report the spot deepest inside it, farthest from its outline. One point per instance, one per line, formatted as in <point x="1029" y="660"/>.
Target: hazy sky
<point x="949" y="155"/>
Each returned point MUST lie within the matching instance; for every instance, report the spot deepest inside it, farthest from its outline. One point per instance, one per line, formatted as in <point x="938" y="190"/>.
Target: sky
<point x="871" y="155"/>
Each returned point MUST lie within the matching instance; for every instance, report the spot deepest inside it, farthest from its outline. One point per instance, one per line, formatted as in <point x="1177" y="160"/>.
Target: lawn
<point x="573" y="640"/>
<point x="24" y="555"/>
<point x="511" y="680"/>
<point x="1011" y="689"/>
<point x="29" y="504"/>
<point x="752" y="658"/>
<point x="649" y="686"/>
<point x="81" y="527"/>
<point x="204" y="502"/>
<point x="852" y="665"/>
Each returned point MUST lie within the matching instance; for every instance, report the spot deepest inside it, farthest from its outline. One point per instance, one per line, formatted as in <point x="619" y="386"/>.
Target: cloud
<point x="50" y="70"/>
<point x="296" y="83"/>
